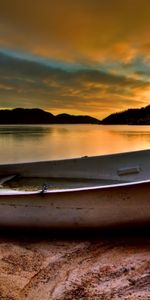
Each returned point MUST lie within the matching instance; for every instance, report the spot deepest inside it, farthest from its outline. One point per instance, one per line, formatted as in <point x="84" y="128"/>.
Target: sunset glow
<point x="79" y="57"/>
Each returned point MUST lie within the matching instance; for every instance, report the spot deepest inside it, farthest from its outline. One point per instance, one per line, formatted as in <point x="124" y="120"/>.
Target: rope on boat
<point x="44" y="188"/>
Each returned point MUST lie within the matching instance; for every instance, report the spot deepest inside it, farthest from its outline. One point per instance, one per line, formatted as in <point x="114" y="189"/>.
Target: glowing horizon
<point x="88" y="57"/>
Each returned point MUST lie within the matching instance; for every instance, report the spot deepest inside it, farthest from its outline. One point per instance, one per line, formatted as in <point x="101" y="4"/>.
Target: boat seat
<point x="128" y="171"/>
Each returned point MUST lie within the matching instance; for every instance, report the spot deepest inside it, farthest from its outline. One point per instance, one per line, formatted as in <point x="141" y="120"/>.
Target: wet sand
<point x="68" y="266"/>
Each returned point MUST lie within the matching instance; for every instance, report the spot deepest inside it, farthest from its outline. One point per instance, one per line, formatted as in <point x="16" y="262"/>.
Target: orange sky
<point x="80" y="57"/>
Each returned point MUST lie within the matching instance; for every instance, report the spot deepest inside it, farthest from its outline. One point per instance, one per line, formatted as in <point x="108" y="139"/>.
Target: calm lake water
<point x="43" y="142"/>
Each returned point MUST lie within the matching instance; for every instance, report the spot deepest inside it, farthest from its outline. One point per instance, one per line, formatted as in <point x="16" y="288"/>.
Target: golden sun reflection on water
<point x="45" y="142"/>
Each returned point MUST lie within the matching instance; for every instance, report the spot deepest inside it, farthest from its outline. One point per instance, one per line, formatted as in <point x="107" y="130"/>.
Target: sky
<point x="89" y="57"/>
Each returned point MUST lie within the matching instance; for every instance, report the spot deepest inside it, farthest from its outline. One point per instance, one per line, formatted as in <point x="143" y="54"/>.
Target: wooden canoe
<point x="87" y="192"/>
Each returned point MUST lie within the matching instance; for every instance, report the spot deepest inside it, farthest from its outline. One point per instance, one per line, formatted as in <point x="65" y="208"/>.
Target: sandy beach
<point x="105" y="265"/>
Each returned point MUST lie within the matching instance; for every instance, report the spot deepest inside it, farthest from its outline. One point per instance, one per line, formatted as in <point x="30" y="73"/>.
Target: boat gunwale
<point x="25" y="163"/>
<point x="59" y="191"/>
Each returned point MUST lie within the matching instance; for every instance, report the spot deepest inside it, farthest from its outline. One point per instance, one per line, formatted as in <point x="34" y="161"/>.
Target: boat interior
<point x="74" y="173"/>
<point x="35" y="183"/>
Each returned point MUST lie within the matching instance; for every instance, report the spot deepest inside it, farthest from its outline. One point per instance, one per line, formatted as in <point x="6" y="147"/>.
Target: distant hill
<point x="69" y="119"/>
<point x="137" y="116"/>
<point x="39" y="116"/>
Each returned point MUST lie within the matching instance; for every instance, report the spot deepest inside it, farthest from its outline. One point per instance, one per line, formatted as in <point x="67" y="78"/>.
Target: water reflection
<point x="24" y="130"/>
<point x="43" y="142"/>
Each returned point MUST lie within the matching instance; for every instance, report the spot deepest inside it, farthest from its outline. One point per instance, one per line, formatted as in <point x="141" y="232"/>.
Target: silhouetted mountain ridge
<point x="137" y="116"/>
<point x="39" y="116"/>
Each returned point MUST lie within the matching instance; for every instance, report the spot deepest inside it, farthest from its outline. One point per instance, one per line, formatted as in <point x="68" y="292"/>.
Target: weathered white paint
<point x="98" y="167"/>
<point x="81" y="207"/>
<point x="92" y="207"/>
